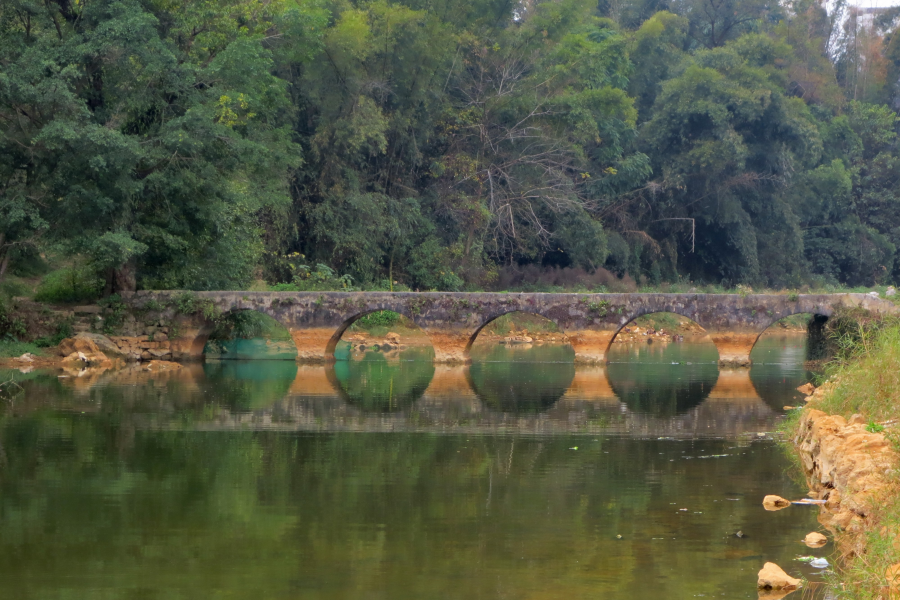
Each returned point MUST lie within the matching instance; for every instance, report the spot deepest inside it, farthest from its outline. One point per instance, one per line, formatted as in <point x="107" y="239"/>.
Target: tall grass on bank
<point x="866" y="372"/>
<point x="866" y="376"/>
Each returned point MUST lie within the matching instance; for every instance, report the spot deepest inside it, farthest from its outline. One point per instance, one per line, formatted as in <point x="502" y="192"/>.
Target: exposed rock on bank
<point x="849" y="468"/>
<point x="773" y="577"/>
<point x="132" y="349"/>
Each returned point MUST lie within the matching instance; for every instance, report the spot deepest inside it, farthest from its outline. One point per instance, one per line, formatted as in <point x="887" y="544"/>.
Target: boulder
<point x="773" y="577"/>
<point x="393" y="338"/>
<point x="890" y="291"/>
<point x="772" y="502"/>
<point x="815" y="540"/>
<point x="90" y="343"/>
<point x="105" y="345"/>
<point x="806" y="388"/>
<point x="72" y="345"/>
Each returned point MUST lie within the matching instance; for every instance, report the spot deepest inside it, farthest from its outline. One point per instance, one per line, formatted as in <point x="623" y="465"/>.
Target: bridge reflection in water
<point x="394" y="394"/>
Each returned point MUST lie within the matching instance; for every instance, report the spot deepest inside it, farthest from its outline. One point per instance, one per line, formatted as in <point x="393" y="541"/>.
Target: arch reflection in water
<point x="681" y="377"/>
<point x="383" y="382"/>
<point x="521" y="363"/>
<point x="517" y="385"/>
<point x="779" y="368"/>
<point x="245" y="386"/>
<point x="249" y="335"/>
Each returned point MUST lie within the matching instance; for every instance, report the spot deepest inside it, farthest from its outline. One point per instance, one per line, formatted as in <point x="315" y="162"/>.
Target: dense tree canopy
<point x="209" y="143"/>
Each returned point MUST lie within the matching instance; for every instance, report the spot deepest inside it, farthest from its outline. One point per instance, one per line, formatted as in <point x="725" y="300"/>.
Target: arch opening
<point x="662" y="337"/>
<point x="662" y="364"/>
<point x="781" y="358"/>
<point x="248" y="335"/>
<point x="381" y="334"/>
<point x="519" y="336"/>
<point x="520" y="363"/>
<point x="383" y="362"/>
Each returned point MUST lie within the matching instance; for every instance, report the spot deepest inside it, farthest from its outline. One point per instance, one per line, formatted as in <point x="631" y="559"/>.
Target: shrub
<point x="11" y="328"/>
<point x="75" y="284"/>
<point x="63" y="330"/>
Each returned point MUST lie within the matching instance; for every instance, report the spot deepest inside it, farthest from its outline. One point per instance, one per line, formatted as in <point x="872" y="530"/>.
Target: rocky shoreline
<point x="850" y="468"/>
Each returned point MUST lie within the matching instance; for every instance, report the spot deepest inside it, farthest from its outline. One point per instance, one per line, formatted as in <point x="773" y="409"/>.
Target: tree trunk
<point x="122" y="279"/>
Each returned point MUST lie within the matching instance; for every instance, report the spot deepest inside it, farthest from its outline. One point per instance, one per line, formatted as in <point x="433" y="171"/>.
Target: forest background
<point x="447" y="145"/>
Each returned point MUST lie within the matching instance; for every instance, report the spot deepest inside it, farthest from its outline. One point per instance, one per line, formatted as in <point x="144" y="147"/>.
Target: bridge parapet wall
<point x="317" y="320"/>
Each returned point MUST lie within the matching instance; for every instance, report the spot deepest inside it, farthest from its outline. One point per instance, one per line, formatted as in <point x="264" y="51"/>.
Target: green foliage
<point x="392" y="145"/>
<point x="322" y="277"/>
<point x="113" y="313"/>
<point x="64" y="330"/>
<point x="11" y="348"/>
<point x="71" y="284"/>
<point x="11" y="327"/>
<point x="248" y="324"/>
<point x="379" y="318"/>
<point x="874" y="427"/>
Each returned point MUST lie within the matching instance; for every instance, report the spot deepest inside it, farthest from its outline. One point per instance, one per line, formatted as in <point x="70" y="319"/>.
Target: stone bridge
<point x="452" y="321"/>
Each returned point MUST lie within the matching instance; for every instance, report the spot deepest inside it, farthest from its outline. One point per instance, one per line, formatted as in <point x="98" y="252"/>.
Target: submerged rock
<point x="773" y="577"/>
<point x="772" y="502"/>
<point x="815" y="540"/>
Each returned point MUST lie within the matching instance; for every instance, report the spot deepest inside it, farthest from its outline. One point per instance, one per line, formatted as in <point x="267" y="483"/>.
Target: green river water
<point x="520" y="476"/>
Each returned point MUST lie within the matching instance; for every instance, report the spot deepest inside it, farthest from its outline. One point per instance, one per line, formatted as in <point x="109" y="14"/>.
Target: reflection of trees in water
<point x="243" y="386"/>
<point x="662" y="390"/>
<point x="521" y="386"/>
<point x="224" y="507"/>
<point x="377" y="384"/>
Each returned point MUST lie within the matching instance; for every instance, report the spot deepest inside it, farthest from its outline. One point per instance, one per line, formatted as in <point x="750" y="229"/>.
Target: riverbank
<point x="846" y="440"/>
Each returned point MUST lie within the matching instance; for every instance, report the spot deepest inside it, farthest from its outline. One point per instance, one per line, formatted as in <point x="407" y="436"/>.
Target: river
<point x="520" y="476"/>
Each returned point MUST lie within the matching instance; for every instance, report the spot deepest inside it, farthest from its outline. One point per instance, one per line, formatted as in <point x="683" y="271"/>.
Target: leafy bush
<point x="11" y="327"/>
<point x="248" y="324"/>
<point x="321" y="278"/>
<point x="379" y="318"/>
<point x="63" y="330"/>
<point x="284" y="287"/>
<point x="75" y="284"/>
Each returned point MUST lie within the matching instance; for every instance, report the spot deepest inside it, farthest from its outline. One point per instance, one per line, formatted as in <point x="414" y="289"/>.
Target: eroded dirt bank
<point x="852" y="470"/>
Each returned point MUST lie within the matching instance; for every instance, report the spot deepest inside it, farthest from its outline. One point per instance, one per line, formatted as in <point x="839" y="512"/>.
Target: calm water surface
<point x="520" y="476"/>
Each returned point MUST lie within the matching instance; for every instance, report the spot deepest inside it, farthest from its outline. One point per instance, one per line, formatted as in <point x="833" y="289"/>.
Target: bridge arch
<point x="284" y="347"/>
<point x="347" y="324"/>
<point x="627" y="324"/>
<point x="814" y="329"/>
<point x="493" y="319"/>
